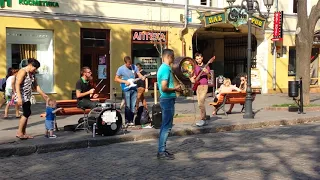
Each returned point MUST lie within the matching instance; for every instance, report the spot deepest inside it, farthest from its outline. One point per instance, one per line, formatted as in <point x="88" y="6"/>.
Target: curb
<point x="24" y="150"/>
<point x="308" y="109"/>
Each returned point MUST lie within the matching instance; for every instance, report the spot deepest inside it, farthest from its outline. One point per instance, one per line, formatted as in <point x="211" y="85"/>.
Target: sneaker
<point x="201" y="123"/>
<point x="131" y="124"/>
<point x="165" y="155"/>
<point x="52" y="137"/>
<point x="46" y="136"/>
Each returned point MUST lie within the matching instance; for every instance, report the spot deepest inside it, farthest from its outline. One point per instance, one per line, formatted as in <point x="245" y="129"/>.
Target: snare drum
<point x="109" y="122"/>
<point x="106" y="105"/>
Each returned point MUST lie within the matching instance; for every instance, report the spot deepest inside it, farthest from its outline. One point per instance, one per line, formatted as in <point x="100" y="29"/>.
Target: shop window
<point x="292" y="61"/>
<point x="23" y="44"/>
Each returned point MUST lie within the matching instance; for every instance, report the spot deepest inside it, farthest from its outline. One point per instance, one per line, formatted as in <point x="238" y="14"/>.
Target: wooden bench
<point x="230" y="98"/>
<point x="70" y="107"/>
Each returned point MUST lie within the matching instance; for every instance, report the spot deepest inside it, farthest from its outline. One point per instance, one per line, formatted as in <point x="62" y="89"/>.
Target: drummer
<point x="84" y="91"/>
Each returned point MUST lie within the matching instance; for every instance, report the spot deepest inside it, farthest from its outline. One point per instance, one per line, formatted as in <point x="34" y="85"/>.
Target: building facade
<point x="66" y="35"/>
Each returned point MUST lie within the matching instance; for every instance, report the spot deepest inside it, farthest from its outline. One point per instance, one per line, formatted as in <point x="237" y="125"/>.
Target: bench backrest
<point x="234" y="97"/>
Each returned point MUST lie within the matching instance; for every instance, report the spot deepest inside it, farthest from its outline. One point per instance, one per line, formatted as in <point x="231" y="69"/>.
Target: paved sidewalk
<point x="278" y="153"/>
<point x="186" y="109"/>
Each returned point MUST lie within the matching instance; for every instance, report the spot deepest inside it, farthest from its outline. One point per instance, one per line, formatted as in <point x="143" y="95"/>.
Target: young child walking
<point x="50" y="116"/>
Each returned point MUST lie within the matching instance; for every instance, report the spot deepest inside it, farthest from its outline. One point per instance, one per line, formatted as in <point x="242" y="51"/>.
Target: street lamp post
<point x="251" y="10"/>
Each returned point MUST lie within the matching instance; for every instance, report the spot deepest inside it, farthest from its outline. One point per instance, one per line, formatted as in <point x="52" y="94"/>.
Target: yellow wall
<point x="67" y="46"/>
<point x="282" y="77"/>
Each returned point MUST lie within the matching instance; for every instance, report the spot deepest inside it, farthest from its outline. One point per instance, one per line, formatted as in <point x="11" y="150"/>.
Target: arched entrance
<point x="228" y="44"/>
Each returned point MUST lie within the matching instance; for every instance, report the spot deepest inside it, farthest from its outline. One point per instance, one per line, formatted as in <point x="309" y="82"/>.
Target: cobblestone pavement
<point x="290" y="152"/>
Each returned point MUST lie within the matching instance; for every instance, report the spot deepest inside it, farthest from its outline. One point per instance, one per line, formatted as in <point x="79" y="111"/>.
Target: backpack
<point x="142" y="116"/>
<point x="3" y="84"/>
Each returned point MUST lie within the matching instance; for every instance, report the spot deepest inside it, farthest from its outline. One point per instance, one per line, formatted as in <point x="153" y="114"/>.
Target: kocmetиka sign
<point x="235" y="16"/>
<point x="277" y="26"/>
<point x="39" y="3"/>
<point x="3" y="3"/>
<point x="29" y="3"/>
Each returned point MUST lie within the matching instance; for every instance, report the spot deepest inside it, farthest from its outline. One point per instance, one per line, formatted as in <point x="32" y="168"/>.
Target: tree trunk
<point x="303" y="50"/>
<point x="304" y="42"/>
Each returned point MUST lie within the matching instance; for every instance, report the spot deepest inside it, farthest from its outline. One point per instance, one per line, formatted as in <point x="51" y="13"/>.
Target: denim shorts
<point x="49" y="125"/>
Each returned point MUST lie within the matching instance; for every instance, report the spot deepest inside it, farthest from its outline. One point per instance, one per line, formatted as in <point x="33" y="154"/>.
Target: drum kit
<point x="105" y="119"/>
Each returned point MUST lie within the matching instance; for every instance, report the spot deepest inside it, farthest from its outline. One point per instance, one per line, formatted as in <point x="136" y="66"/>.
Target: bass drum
<point x="183" y="68"/>
<point x="108" y="129"/>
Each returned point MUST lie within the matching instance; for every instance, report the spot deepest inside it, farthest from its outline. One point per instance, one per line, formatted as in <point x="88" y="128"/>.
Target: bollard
<point x="301" y="98"/>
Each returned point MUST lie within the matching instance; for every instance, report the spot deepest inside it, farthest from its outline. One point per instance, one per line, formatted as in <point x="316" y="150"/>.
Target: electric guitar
<point x="197" y="82"/>
<point x="132" y="81"/>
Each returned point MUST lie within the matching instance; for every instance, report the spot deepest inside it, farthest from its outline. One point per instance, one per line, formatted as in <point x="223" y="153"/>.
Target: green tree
<point x="304" y="40"/>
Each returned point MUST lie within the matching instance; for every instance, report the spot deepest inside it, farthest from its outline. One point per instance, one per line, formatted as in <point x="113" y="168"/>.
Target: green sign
<point x="39" y="3"/>
<point x="235" y="16"/>
<point x="215" y="18"/>
<point x="3" y="3"/>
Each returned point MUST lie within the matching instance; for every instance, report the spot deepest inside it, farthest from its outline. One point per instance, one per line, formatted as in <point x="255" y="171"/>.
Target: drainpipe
<point x="184" y="28"/>
<point x="274" y="57"/>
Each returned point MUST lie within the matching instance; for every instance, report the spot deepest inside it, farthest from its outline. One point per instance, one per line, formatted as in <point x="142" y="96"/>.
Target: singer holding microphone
<point x="84" y="91"/>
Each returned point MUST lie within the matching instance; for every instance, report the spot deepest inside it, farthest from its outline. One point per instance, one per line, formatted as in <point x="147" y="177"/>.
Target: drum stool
<point x="84" y="123"/>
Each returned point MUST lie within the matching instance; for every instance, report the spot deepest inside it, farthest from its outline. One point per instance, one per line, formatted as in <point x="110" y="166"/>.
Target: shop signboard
<point x="277" y="26"/>
<point x="39" y="3"/>
<point x="255" y="81"/>
<point x="142" y="36"/>
<point x="149" y="64"/>
<point x="233" y="15"/>
<point x="4" y="2"/>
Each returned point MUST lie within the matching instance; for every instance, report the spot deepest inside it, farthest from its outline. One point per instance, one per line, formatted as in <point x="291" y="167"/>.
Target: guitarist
<point x="124" y="72"/>
<point x="202" y="88"/>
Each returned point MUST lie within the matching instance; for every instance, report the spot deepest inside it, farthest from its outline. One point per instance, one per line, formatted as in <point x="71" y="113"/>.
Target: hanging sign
<point x="277" y="26"/>
<point x="233" y="15"/>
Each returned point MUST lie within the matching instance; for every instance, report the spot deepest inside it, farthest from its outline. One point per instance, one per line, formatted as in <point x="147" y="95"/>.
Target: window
<point x="295" y="6"/>
<point x="94" y="38"/>
<point x="23" y="44"/>
<point x="205" y="2"/>
<point x="292" y="61"/>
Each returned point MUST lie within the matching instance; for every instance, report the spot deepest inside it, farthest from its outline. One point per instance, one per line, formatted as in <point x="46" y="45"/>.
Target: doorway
<point x="95" y="48"/>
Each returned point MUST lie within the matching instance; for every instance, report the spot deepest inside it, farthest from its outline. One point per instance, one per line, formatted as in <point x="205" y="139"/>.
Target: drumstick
<point x="99" y="83"/>
<point x="102" y="89"/>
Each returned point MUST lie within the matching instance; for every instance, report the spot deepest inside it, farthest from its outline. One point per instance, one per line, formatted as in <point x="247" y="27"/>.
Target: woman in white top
<point x="226" y="87"/>
<point x="10" y="92"/>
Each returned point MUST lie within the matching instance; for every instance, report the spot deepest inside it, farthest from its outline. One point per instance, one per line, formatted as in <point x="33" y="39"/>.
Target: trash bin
<point x="293" y="90"/>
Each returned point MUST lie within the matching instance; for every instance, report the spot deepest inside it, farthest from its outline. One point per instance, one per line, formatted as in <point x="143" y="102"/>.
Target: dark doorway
<point x="95" y="48"/>
<point x="235" y="55"/>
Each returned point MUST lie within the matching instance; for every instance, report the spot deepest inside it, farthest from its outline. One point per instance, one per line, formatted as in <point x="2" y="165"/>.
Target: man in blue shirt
<point x="167" y="101"/>
<point x="125" y="72"/>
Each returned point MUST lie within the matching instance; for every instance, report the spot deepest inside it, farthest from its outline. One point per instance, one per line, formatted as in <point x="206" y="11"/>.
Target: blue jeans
<point x="130" y="98"/>
<point x="167" y="108"/>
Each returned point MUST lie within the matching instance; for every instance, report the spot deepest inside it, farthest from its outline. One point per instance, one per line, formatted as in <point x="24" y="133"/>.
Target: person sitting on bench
<point x="84" y="91"/>
<point x="226" y="87"/>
